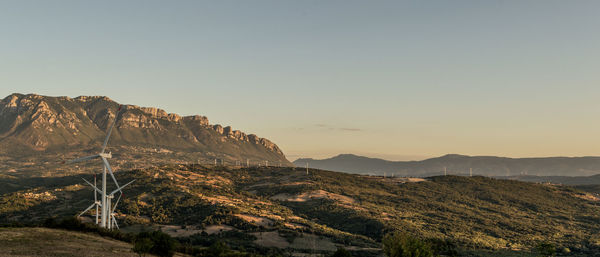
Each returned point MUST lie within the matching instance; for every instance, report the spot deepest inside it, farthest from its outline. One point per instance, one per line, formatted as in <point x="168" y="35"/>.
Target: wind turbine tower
<point x="107" y="216"/>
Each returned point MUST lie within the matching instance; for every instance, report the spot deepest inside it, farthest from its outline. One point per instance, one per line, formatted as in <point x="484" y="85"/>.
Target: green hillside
<point x="282" y="210"/>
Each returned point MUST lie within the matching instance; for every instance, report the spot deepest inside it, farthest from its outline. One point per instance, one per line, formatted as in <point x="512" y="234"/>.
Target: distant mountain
<point x="460" y="164"/>
<point x="34" y="124"/>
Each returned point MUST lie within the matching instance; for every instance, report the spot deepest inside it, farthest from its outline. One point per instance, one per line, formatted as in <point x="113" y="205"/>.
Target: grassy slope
<point x="354" y="210"/>
<point x="54" y="242"/>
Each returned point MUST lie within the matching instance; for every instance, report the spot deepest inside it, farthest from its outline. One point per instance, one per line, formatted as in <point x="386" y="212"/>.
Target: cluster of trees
<point x="405" y="245"/>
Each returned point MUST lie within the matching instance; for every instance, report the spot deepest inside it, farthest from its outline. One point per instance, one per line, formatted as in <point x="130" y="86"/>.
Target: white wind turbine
<point x="107" y="218"/>
<point x="112" y="221"/>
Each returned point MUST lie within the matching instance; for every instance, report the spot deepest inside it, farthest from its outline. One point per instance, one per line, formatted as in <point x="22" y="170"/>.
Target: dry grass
<point x="255" y="220"/>
<point x="53" y="242"/>
<point x="313" y="242"/>
<point x="317" y="194"/>
<point x="270" y="239"/>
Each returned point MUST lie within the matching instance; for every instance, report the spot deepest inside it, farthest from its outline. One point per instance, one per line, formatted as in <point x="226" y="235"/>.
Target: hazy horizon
<point x="382" y="79"/>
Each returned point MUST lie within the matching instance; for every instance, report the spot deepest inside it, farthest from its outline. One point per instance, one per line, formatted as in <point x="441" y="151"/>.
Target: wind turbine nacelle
<point x="105" y="155"/>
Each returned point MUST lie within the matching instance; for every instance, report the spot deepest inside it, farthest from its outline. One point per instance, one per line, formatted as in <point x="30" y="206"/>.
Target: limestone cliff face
<point x="43" y="122"/>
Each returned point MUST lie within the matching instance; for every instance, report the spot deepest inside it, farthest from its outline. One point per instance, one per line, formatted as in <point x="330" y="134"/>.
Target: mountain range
<point x="32" y="125"/>
<point x="459" y="165"/>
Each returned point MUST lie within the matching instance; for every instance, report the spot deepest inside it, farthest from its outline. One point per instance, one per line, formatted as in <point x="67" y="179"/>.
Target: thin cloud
<point x="351" y="129"/>
<point x="325" y="126"/>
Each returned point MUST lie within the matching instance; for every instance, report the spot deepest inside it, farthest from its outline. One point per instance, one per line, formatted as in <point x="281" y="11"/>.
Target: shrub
<point x="342" y="252"/>
<point x="142" y="246"/>
<point x="49" y="223"/>
<point x="404" y="245"/>
<point x="218" y="249"/>
<point x="161" y="243"/>
<point x="442" y="247"/>
<point x="546" y="249"/>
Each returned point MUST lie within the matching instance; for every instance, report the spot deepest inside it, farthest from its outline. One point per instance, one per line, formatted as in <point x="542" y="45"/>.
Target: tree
<point x="218" y="249"/>
<point x="142" y="246"/>
<point x="404" y="245"/>
<point x="158" y="243"/>
<point x="342" y="252"/>
<point x="164" y="245"/>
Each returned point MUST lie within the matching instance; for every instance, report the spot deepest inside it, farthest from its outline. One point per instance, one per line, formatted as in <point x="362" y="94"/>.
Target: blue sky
<point x="392" y="79"/>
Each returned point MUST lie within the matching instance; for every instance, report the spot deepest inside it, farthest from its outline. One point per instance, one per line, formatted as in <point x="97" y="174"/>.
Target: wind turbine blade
<point x="83" y="159"/>
<point x="97" y="190"/>
<point x="88" y="208"/>
<point x="110" y="130"/>
<point x="115" y="221"/>
<point x="119" y="189"/>
<point x="117" y="202"/>
<point x="110" y="171"/>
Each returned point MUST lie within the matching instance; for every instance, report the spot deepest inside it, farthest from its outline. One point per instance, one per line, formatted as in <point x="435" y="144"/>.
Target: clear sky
<point x="392" y="79"/>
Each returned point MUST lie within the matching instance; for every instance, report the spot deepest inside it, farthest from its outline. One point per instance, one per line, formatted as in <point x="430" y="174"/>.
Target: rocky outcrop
<point x="241" y="136"/>
<point x="41" y="122"/>
<point x="199" y="120"/>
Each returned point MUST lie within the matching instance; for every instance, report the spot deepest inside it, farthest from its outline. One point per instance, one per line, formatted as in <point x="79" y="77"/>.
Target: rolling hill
<point x="460" y="165"/>
<point x="270" y="210"/>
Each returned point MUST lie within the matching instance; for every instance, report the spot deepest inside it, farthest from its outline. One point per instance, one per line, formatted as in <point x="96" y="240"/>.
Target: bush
<point x="342" y="252"/>
<point x="50" y="223"/>
<point x="218" y="249"/>
<point x="403" y="245"/>
<point x="546" y="249"/>
<point x="142" y="246"/>
<point x="158" y="243"/>
<point x="442" y="247"/>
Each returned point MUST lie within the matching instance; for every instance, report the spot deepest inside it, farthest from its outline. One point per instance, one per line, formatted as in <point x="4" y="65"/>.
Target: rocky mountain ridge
<point x="33" y="123"/>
